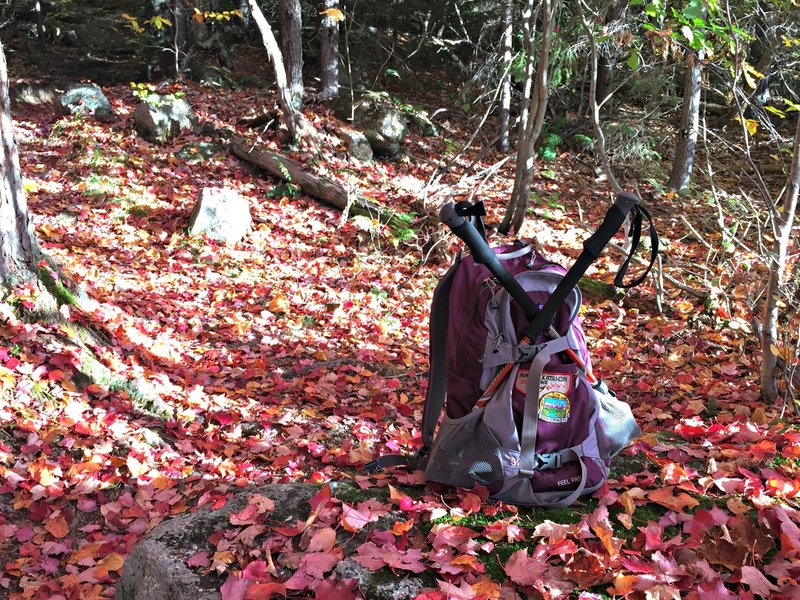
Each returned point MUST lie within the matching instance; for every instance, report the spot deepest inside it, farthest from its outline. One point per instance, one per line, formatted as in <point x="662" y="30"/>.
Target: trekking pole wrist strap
<point x="639" y="212"/>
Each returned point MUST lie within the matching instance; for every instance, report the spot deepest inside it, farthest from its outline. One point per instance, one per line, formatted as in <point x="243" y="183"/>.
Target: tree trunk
<point x="690" y="123"/>
<point x="319" y="187"/>
<point x="506" y="36"/>
<point x="594" y="106"/>
<point x="782" y="219"/>
<point x="39" y="25"/>
<point x="329" y="50"/>
<point x="605" y="66"/>
<point x="292" y="44"/>
<point x="533" y="121"/>
<point x="290" y="117"/>
<point x="18" y="248"/>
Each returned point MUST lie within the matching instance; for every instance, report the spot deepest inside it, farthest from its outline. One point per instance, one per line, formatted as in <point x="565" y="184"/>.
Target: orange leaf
<point x="278" y="304"/>
<point x="401" y="527"/>
<point x="113" y="562"/>
<point x="57" y="526"/>
<point x="664" y="496"/>
<point x="487" y="588"/>
<point x="89" y="551"/>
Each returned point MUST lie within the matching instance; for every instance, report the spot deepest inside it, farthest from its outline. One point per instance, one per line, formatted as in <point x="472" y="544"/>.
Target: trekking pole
<point x="540" y="319"/>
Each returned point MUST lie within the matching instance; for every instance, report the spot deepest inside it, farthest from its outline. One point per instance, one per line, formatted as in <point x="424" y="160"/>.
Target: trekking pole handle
<point x="467" y="233"/>
<point x="483" y="254"/>
<point x="613" y="220"/>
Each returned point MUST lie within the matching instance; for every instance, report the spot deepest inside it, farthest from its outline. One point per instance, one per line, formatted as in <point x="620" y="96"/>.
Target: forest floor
<point x="300" y="354"/>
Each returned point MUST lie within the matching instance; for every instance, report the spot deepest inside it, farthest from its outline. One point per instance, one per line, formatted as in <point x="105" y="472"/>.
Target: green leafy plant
<point x="146" y="92"/>
<point x="287" y="190"/>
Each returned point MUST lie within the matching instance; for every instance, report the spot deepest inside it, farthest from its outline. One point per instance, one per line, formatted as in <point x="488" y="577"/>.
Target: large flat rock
<point x="156" y="569"/>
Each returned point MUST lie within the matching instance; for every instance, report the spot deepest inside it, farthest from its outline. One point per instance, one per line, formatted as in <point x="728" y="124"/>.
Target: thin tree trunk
<point x="690" y="124"/>
<point x="179" y="38"/>
<point x="506" y="36"/>
<point x="39" y="25"/>
<point x="594" y="107"/>
<point x="526" y="152"/>
<point x="18" y="247"/>
<point x="523" y="148"/>
<point x="783" y="219"/>
<point x="290" y="116"/>
<point x="329" y="50"/>
<point x="292" y="44"/>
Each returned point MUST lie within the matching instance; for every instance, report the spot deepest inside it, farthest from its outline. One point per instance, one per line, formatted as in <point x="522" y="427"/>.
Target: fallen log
<point x="319" y="187"/>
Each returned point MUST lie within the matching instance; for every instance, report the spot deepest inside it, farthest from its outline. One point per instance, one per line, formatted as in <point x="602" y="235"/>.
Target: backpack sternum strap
<point x="530" y="415"/>
<point x="554" y="460"/>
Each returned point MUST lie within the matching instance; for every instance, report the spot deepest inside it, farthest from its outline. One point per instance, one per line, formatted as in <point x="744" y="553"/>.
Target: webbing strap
<point x="636" y="231"/>
<point x="529" y="461"/>
<point x="557" y="499"/>
<point x="530" y="414"/>
<point x="437" y="380"/>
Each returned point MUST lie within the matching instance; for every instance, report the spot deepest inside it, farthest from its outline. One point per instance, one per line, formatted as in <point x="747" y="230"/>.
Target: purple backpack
<point x="546" y="435"/>
<point x="523" y="414"/>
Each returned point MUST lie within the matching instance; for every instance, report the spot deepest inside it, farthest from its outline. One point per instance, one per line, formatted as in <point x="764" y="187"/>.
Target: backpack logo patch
<point x="550" y="382"/>
<point x="554" y="407"/>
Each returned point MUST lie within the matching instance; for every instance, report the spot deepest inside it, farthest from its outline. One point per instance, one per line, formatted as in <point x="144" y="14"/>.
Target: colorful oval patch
<point x="554" y="407"/>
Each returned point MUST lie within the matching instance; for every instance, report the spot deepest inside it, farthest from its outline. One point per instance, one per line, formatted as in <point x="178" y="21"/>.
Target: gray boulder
<point x="34" y="93"/>
<point x="161" y="118"/>
<point x="358" y="146"/>
<point x="157" y="566"/>
<point x="85" y="99"/>
<point x="384" y="125"/>
<point x="221" y="214"/>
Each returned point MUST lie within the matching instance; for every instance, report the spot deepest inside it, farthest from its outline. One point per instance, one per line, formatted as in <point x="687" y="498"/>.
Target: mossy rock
<point x="196" y="152"/>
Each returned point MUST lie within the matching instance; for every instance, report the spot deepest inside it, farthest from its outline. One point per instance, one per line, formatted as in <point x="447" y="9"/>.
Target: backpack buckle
<point x="552" y="460"/>
<point x="527" y="352"/>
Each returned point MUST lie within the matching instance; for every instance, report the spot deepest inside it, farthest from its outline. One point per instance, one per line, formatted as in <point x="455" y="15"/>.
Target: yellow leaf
<point x="333" y="13"/>
<point x="775" y="111"/>
<point x="7" y="379"/>
<point x="751" y="124"/>
<point x="113" y="562"/>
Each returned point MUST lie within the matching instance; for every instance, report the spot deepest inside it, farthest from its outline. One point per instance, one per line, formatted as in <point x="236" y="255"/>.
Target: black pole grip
<point x="613" y="220"/>
<point x="483" y="254"/>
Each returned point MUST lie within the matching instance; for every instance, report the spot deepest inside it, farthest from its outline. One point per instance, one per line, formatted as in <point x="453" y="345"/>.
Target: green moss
<point x="57" y="289"/>
<point x="352" y="494"/>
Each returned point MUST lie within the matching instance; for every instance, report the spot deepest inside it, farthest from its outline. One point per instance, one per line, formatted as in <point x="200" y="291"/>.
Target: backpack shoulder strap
<point x="437" y="378"/>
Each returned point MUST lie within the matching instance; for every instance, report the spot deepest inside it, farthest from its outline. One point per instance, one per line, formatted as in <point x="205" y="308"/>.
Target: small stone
<point x="221" y="214"/>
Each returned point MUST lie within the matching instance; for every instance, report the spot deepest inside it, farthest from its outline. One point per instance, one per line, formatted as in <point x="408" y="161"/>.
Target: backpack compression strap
<point x="529" y="460"/>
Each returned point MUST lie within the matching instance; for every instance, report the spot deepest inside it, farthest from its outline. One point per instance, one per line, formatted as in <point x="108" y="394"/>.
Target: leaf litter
<point x="299" y="354"/>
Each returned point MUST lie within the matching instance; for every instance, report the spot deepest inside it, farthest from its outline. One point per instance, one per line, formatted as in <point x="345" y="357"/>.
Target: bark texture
<point x="18" y="248"/>
<point x="329" y="51"/>
<point x="290" y="116"/>
<point x="507" y="30"/>
<point x="690" y="123"/>
<point x="782" y="219"/>
<point x="292" y="44"/>
<point x="532" y="117"/>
